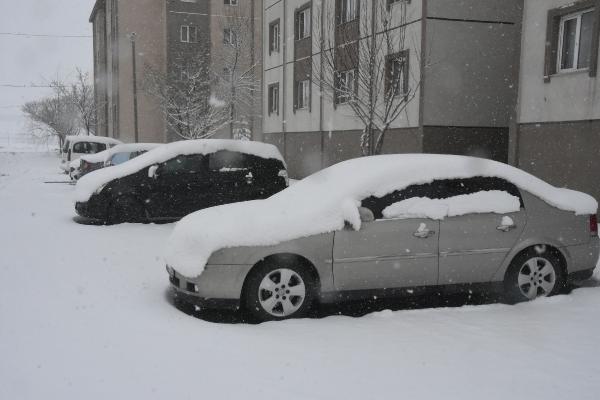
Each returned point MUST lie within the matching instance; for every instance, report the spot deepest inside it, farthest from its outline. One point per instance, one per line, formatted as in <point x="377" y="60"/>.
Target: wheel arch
<point x="550" y="247"/>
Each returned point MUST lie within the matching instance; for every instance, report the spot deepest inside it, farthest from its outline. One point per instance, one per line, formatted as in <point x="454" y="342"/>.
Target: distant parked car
<point x="77" y="146"/>
<point x="386" y="226"/>
<point x="113" y="156"/>
<point x="176" y="179"/>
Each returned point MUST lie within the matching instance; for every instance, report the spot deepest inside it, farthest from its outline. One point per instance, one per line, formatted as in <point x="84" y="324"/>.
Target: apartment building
<point x="459" y="60"/>
<point x="558" y="132"/>
<point x="131" y="36"/>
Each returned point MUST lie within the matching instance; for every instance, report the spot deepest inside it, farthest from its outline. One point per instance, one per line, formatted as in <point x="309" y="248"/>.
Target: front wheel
<point x="534" y="273"/>
<point x="275" y="292"/>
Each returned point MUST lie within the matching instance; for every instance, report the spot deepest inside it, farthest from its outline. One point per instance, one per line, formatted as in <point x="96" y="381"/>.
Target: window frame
<point x="391" y="80"/>
<point x="350" y="91"/>
<point x="303" y="96"/>
<point x="232" y="3"/>
<point x="188" y="36"/>
<point x="578" y="16"/>
<point x="228" y="39"/>
<point x="274" y="39"/>
<point x="343" y="11"/>
<point x="304" y="11"/>
<point x="273" y="98"/>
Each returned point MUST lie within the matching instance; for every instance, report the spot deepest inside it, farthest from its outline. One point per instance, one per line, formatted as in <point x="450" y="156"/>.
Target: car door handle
<point x="506" y="228"/>
<point x="424" y="234"/>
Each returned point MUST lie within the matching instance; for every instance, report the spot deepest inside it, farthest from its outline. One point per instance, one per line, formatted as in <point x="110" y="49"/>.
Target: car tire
<point x="535" y="272"/>
<point x="277" y="292"/>
<point x="125" y="209"/>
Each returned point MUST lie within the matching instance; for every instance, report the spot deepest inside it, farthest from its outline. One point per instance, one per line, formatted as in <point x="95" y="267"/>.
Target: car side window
<point x="88" y="147"/>
<point x="183" y="165"/>
<point x="228" y="161"/>
<point x="441" y="189"/>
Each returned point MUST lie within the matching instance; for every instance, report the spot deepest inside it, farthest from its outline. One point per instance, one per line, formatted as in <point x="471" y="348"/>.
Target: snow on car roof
<point x="120" y="148"/>
<point x="88" y="184"/>
<point x="93" y="139"/>
<point x="322" y="203"/>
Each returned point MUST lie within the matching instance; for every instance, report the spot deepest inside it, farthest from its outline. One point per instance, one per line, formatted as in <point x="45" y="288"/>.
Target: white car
<point x="113" y="156"/>
<point x="76" y="146"/>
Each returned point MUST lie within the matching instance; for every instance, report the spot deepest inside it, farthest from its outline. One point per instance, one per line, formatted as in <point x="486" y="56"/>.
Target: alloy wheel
<point x="536" y="278"/>
<point x="281" y="292"/>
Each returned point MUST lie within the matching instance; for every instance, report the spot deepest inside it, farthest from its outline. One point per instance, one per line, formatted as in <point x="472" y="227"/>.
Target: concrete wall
<point x="147" y="19"/>
<point x="326" y="133"/>
<point x="566" y="154"/>
<point x="98" y="19"/>
<point x="572" y="96"/>
<point x="558" y="137"/>
<point x="471" y="67"/>
<point x="246" y="18"/>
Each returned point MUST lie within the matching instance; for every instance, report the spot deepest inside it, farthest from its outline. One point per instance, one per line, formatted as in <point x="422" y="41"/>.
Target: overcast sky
<point x="36" y="60"/>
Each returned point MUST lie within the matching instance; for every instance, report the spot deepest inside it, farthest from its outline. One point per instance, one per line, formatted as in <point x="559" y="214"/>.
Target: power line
<point x="11" y="85"/>
<point x="41" y="35"/>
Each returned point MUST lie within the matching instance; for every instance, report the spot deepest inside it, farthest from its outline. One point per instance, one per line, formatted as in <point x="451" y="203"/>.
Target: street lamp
<point x="132" y="37"/>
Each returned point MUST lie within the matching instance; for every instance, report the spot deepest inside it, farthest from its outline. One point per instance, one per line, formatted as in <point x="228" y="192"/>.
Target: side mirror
<point x="366" y="215"/>
<point x="152" y="172"/>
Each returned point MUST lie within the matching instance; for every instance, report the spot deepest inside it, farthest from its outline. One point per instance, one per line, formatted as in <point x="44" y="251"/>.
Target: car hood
<point x="325" y="201"/>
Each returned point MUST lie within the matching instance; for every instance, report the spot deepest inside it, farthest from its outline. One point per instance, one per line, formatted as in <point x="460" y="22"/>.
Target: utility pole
<point x="132" y="37"/>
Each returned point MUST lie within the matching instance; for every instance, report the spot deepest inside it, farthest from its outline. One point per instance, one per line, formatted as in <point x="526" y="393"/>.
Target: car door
<point x="231" y="177"/>
<point x="388" y="252"/>
<point x="179" y="187"/>
<point x="473" y="246"/>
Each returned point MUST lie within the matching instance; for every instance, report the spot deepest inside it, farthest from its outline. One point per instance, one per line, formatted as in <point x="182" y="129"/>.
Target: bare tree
<point x="51" y="117"/>
<point x="235" y="74"/>
<point x="69" y="109"/>
<point x="81" y="95"/>
<point x="364" y="63"/>
<point x="191" y="109"/>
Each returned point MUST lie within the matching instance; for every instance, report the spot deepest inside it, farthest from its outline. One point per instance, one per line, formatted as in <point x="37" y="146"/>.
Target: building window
<point x="575" y="41"/>
<point x="303" y="23"/>
<point x="273" y="98"/>
<point x="274" y="37"/>
<point x="302" y="94"/>
<point x="345" y="86"/>
<point x="347" y="10"/>
<point x="189" y="34"/>
<point x="228" y="36"/>
<point x="230" y="2"/>
<point x="397" y="74"/>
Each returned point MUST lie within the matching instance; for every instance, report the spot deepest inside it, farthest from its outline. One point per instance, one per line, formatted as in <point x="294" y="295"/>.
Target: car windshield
<point x="119" y="158"/>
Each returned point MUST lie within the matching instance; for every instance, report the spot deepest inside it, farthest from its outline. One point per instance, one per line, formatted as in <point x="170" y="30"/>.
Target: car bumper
<point x="217" y="287"/>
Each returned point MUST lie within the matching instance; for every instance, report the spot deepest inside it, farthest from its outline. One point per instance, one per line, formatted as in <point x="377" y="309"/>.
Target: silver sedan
<point x="531" y="250"/>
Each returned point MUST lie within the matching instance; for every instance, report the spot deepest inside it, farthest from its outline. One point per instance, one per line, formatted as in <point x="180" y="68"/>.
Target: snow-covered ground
<point x="84" y="313"/>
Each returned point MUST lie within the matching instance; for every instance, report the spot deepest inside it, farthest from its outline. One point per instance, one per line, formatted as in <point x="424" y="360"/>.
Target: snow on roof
<point x="322" y="203"/>
<point x="88" y="184"/>
<point x="120" y="148"/>
<point x="93" y="139"/>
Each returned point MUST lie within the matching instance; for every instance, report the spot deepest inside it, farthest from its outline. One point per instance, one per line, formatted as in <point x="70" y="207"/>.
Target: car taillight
<point x="594" y="225"/>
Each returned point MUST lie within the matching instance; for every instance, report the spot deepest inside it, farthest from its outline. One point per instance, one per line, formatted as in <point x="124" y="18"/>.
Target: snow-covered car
<point x="113" y="156"/>
<point x="77" y="146"/>
<point x="175" y="179"/>
<point x="386" y="226"/>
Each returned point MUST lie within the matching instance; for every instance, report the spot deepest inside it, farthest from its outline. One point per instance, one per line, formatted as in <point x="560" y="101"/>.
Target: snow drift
<point x="323" y="202"/>
<point x="91" y="182"/>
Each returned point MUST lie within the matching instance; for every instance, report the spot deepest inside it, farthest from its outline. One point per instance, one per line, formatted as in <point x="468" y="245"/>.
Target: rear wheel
<point x="536" y="272"/>
<point x="275" y="292"/>
<point x="126" y="209"/>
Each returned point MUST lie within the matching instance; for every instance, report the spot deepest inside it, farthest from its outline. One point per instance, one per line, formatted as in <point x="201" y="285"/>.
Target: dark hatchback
<point x="183" y="184"/>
